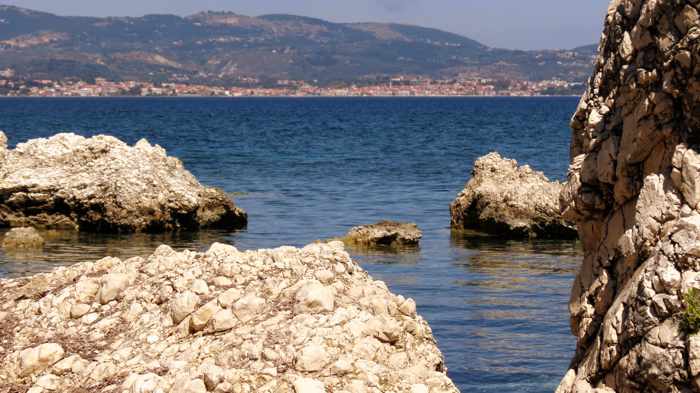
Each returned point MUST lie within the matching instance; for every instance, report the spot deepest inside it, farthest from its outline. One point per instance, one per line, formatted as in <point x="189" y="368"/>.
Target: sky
<point x="513" y="24"/>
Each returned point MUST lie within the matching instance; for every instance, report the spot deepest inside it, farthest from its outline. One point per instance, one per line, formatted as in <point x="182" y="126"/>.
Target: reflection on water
<point x="394" y="254"/>
<point x="510" y="265"/>
<point x="68" y="247"/>
<point x="492" y="243"/>
<point x="516" y="308"/>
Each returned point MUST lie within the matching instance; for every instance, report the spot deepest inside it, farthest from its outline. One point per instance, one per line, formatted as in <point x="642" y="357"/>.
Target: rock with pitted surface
<point x="3" y="147"/>
<point x="633" y="191"/>
<point x="384" y="233"/>
<point x="512" y="201"/>
<point x="138" y="325"/>
<point x="100" y="184"/>
<point x="22" y="239"/>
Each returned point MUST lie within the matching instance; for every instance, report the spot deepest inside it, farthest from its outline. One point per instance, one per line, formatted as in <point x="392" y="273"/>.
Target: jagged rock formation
<point x="384" y="233"/>
<point x="286" y="320"/>
<point x="22" y="239"/>
<point x="101" y="184"/>
<point x="505" y="199"/>
<point x="634" y="190"/>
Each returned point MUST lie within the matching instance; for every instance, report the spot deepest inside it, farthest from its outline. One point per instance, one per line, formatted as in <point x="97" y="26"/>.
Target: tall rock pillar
<point x="634" y="192"/>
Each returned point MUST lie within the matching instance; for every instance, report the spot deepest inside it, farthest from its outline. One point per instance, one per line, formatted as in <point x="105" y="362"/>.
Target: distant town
<point x="394" y="87"/>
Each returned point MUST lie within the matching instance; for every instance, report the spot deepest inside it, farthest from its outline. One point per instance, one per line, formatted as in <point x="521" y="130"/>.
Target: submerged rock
<point x="22" y="239"/>
<point x="384" y="233"/>
<point x="101" y="184"/>
<point x="505" y="199"/>
<point x="633" y="191"/>
<point x="283" y="320"/>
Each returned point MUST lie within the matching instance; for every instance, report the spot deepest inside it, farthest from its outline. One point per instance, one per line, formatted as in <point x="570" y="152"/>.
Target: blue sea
<point x="308" y="169"/>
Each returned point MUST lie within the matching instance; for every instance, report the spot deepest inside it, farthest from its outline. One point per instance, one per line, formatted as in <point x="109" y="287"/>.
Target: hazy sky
<point x="522" y="24"/>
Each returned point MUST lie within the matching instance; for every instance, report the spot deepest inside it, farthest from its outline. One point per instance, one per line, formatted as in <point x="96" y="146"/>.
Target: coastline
<point x="289" y="96"/>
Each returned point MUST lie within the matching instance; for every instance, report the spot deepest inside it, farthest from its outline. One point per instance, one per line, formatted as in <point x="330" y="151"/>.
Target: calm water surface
<point x="308" y="169"/>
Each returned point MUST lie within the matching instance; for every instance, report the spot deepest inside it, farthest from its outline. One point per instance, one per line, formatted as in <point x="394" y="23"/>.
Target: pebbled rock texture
<point x="511" y="201"/>
<point x="100" y="184"/>
<point x="284" y="320"/>
<point x="633" y="190"/>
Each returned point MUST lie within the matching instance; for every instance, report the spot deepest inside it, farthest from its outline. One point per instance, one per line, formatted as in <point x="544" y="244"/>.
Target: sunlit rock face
<point x="101" y="184"/>
<point x="284" y="320"/>
<point x="634" y="190"/>
<point x="510" y="201"/>
<point x="384" y="233"/>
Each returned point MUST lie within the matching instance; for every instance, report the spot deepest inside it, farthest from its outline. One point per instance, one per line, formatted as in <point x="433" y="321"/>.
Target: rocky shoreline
<point x="311" y="320"/>
<point x="305" y="320"/>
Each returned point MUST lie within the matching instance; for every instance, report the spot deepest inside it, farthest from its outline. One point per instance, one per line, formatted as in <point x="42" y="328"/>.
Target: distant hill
<point x="227" y="48"/>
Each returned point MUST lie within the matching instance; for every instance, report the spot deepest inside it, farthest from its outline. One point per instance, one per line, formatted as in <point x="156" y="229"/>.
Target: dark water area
<point x="308" y="169"/>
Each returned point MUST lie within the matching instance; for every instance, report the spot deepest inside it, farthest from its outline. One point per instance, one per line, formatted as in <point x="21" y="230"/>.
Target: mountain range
<point x="227" y="48"/>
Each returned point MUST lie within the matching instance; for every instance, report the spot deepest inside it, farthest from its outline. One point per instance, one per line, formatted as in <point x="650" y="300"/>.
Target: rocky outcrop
<point x="634" y="190"/>
<point x="384" y="233"/>
<point x="511" y="201"/>
<point x="22" y="239"/>
<point x="285" y="320"/>
<point x="101" y="184"/>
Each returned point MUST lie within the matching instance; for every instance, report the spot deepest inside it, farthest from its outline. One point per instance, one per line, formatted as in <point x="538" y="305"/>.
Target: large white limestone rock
<point x="101" y="184"/>
<point x="156" y="335"/>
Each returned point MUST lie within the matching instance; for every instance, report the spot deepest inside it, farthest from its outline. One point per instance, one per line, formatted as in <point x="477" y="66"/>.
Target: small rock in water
<point x="384" y="233"/>
<point x="512" y="201"/>
<point x="22" y="239"/>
